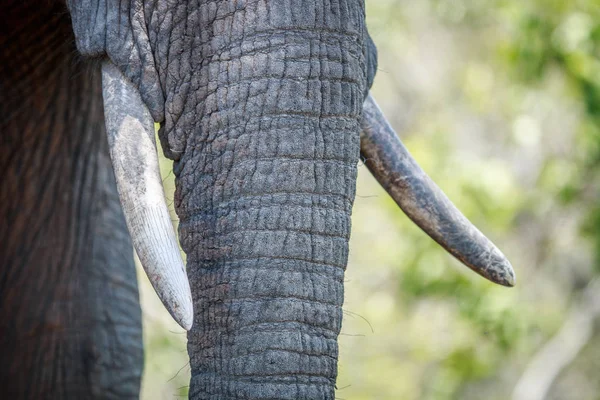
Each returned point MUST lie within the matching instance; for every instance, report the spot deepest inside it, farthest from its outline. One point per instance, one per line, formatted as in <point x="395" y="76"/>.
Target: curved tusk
<point x="424" y="202"/>
<point x="130" y="130"/>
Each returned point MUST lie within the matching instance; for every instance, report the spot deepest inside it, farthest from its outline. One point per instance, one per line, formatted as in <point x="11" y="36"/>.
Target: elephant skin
<point x="259" y="104"/>
<point x="70" y="319"/>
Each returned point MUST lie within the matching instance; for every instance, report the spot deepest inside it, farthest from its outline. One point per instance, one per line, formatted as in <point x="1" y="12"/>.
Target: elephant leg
<point x="70" y="320"/>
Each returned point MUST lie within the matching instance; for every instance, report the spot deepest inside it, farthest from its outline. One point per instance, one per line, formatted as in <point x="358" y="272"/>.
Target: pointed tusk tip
<point x="186" y="323"/>
<point x="172" y="288"/>
<point x="507" y="281"/>
<point x="184" y="316"/>
<point x="505" y="275"/>
<point x="511" y="279"/>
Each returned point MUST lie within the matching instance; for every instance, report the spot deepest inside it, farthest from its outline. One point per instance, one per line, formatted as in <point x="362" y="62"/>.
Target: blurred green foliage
<point x="499" y="101"/>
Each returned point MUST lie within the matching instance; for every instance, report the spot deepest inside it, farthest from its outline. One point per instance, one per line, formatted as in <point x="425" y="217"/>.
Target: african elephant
<point x="264" y="108"/>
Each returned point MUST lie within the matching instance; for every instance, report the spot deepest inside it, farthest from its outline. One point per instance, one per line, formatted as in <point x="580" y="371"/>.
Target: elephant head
<point x="264" y="108"/>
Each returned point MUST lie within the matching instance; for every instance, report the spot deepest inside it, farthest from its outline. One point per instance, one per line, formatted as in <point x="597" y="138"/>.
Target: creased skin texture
<point x="148" y="40"/>
<point x="70" y="320"/>
<point x="119" y="29"/>
<point x="262" y="100"/>
<point x="265" y="133"/>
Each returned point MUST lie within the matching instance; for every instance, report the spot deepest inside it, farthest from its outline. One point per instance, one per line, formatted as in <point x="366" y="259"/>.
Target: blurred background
<point x="499" y="101"/>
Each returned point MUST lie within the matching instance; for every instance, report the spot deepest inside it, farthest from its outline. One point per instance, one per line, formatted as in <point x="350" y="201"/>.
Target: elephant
<point x="265" y="110"/>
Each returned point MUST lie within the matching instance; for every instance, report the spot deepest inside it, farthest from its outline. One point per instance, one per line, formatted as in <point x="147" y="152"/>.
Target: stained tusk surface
<point x="130" y="130"/>
<point x="424" y="202"/>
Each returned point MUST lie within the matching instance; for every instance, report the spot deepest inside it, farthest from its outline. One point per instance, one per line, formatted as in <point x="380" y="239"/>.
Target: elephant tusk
<point x="424" y="202"/>
<point x="130" y="131"/>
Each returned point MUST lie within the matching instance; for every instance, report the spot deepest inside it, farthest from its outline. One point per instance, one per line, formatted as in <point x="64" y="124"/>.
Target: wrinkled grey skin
<point x="259" y="104"/>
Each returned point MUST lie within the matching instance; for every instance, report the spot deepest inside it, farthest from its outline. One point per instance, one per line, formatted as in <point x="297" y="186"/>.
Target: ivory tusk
<point x="130" y="130"/>
<point x="424" y="202"/>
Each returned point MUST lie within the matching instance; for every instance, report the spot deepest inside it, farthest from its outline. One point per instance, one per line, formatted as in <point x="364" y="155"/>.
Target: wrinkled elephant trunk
<point x="265" y="186"/>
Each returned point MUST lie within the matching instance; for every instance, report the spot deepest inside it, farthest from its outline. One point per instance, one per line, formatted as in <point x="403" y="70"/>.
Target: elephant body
<point x="70" y="319"/>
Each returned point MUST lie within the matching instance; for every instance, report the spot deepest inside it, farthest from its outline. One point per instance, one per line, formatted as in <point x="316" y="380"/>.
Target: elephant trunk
<point x="265" y="184"/>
